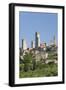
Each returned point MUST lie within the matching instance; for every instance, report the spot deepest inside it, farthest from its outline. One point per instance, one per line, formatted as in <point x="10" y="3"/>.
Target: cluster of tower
<point x="35" y="44"/>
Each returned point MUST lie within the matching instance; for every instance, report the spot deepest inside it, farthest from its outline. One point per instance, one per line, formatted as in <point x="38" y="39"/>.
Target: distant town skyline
<point x="31" y="22"/>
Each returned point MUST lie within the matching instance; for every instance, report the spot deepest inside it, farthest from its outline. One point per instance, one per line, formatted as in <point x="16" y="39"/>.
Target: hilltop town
<point x="39" y="60"/>
<point x="40" y="51"/>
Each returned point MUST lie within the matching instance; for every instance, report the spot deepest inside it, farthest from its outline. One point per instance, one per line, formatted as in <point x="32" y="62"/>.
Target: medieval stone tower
<point x="24" y="46"/>
<point x="32" y="44"/>
<point x="37" y="39"/>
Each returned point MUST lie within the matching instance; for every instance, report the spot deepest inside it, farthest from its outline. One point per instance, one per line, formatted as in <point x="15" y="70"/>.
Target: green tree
<point x="27" y="61"/>
<point x="34" y="64"/>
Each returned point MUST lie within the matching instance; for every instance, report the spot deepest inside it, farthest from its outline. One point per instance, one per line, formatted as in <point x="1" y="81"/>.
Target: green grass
<point x="42" y="70"/>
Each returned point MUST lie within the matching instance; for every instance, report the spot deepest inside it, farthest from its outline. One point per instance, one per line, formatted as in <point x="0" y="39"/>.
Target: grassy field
<point x="42" y="70"/>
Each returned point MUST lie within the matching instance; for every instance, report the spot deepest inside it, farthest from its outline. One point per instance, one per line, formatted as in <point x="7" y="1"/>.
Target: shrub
<point x="27" y="61"/>
<point x="21" y="67"/>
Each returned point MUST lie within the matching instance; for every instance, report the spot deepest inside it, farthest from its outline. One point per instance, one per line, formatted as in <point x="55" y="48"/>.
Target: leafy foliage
<point x="30" y="68"/>
<point x="42" y="70"/>
<point x="27" y="61"/>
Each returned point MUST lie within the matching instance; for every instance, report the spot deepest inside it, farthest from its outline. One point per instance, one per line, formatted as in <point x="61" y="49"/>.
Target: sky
<point x="31" y="22"/>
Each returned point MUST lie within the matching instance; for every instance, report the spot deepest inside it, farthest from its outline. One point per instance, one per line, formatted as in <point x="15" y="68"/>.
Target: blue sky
<point x="44" y="23"/>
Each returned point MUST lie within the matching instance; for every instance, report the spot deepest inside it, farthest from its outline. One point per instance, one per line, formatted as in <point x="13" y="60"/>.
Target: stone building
<point x="37" y="39"/>
<point x="24" y="45"/>
<point x="32" y="44"/>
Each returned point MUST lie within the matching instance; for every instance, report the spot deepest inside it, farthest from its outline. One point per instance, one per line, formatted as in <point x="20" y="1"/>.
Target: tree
<point x="34" y="64"/>
<point x="27" y="61"/>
